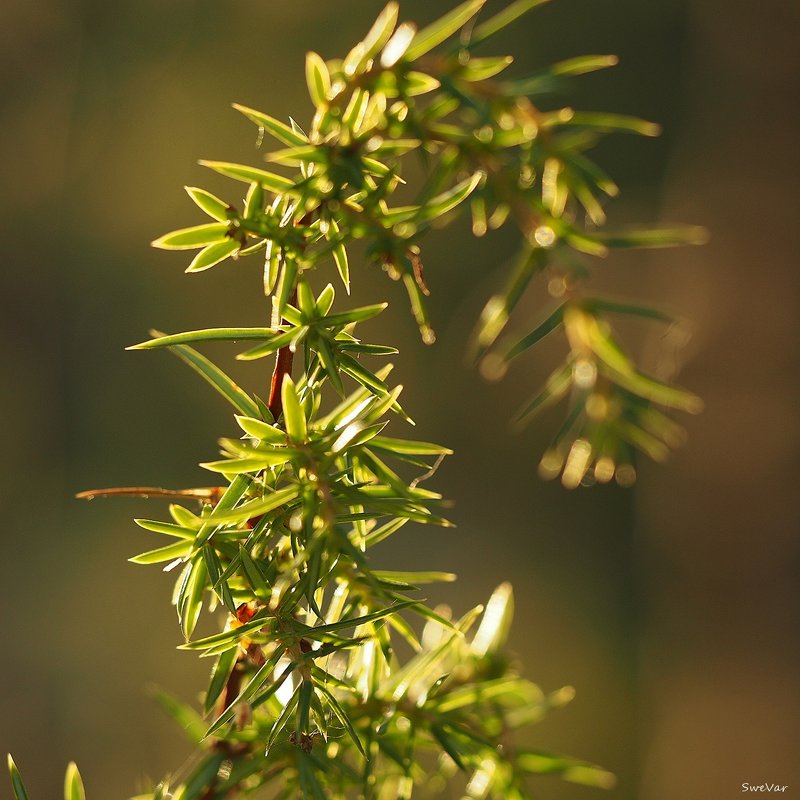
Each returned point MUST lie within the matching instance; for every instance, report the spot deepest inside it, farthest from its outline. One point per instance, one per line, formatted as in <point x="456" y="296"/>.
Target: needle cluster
<point x="330" y="678"/>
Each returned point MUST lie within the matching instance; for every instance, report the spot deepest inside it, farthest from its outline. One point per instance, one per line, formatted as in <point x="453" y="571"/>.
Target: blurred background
<point x="672" y="607"/>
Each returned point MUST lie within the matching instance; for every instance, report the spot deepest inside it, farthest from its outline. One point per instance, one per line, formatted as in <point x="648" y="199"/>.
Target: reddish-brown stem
<point x="283" y="366"/>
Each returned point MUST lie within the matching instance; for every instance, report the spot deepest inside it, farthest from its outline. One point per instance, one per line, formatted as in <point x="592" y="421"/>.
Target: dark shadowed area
<point x="672" y="607"/>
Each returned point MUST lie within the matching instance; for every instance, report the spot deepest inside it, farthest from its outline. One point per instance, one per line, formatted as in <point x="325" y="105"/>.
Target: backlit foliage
<point x="308" y="696"/>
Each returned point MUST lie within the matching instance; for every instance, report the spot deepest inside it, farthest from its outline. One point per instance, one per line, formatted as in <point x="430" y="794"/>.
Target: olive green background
<point x="673" y="607"/>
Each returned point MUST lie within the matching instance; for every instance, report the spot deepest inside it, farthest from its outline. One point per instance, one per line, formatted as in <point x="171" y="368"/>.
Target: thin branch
<point x="207" y="493"/>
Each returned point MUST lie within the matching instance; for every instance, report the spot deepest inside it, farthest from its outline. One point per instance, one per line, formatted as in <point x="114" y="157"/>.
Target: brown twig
<point x="208" y="493"/>
<point x="283" y="366"/>
<point x="283" y="363"/>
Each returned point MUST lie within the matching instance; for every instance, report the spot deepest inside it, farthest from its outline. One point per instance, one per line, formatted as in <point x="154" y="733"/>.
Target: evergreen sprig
<point x="307" y="694"/>
<point x="484" y="143"/>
